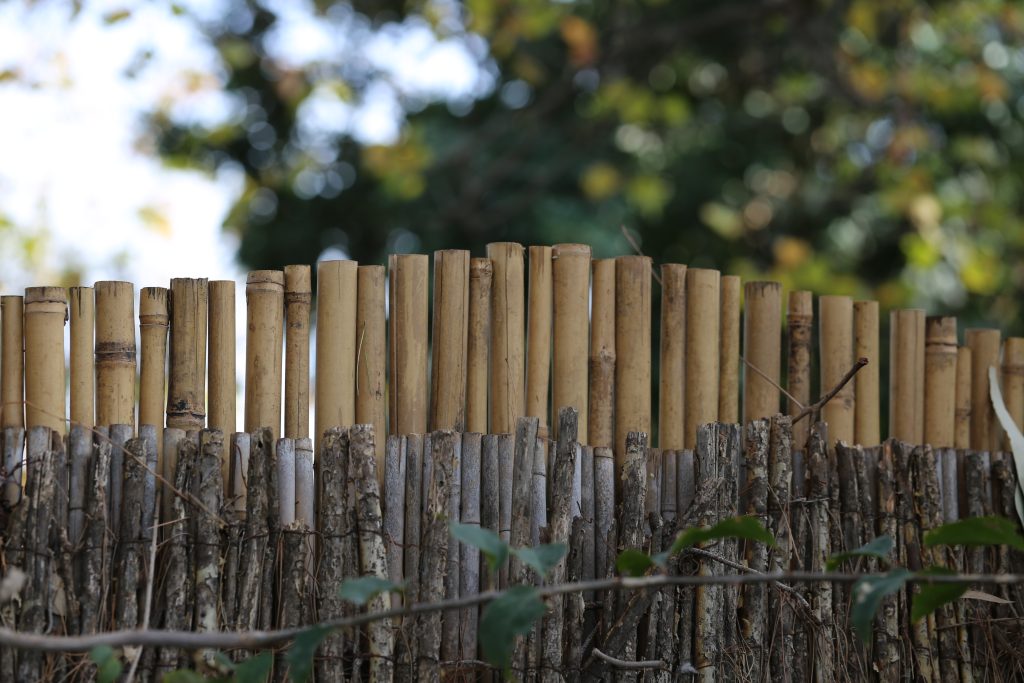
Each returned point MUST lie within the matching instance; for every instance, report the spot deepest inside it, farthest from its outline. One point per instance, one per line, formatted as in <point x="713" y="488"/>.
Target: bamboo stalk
<point x="867" y="431"/>
<point x="962" y="427"/>
<point x="762" y="349"/>
<point x="538" y="337"/>
<point x="507" y="390"/>
<point x="703" y="292"/>
<point x="186" y="386"/>
<point x="407" y="339"/>
<point x="298" y="296"/>
<point x="12" y="364"/>
<point x="800" y="325"/>
<point x="115" y="353"/>
<point x="729" y="354"/>
<point x="940" y="381"/>
<point x="371" y="354"/>
<point x="1013" y="383"/>
<point x="153" y="324"/>
<point x="45" y="310"/>
<point x="336" y="288"/>
<point x="985" y="430"/>
<point x="633" y="350"/>
<point x="836" y="341"/>
<point x="571" y="279"/>
<point x="82" y="307"/>
<point x="222" y="381"/>
<point x="672" y="366"/>
<point x="481" y="273"/>
<point x="469" y="560"/>
<point x="448" y="343"/>
<point x="264" y="297"/>
<point x="906" y="379"/>
<point x="601" y="399"/>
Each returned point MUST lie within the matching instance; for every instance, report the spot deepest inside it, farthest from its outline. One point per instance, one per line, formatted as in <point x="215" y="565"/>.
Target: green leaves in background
<point x="542" y="558"/>
<point x="977" y="531"/>
<point x="867" y="596"/>
<point x="299" y="657"/>
<point x="931" y="596"/>
<point x="879" y="547"/>
<point x="735" y="527"/>
<point x="632" y="562"/>
<point x="489" y="543"/>
<point x="510" y="615"/>
<point x="360" y="591"/>
<point x="108" y="663"/>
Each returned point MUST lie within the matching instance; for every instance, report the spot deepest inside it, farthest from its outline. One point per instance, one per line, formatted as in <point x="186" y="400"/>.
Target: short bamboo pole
<point x="985" y="431"/>
<point x="507" y="395"/>
<point x="571" y="288"/>
<point x="729" y="350"/>
<point x="223" y="379"/>
<point x="940" y="381"/>
<point x="633" y="348"/>
<point x="335" y="346"/>
<point x="962" y="427"/>
<point x="449" y="337"/>
<point x="906" y="375"/>
<point x="12" y="362"/>
<point x="867" y="431"/>
<point x="836" y="339"/>
<point x="45" y="311"/>
<point x="153" y="324"/>
<point x="82" y="305"/>
<point x="407" y="339"/>
<point x="115" y="353"/>
<point x="298" y="296"/>
<point x="538" y="336"/>
<point x="800" y="326"/>
<point x="478" y="344"/>
<point x="371" y="353"/>
<point x="1013" y="382"/>
<point x="762" y="348"/>
<point x="186" y="382"/>
<point x="601" y="399"/>
<point x="264" y="298"/>
<point x="703" y="294"/>
<point x="672" y="366"/>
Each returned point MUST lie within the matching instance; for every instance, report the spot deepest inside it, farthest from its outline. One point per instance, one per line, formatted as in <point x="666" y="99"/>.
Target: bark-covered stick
<point x="469" y="567"/>
<point x="269" y="594"/>
<point x="13" y="451"/>
<point x="755" y="597"/>
<point x="489" y="508"/>
<point x="522" y="517"/>
<point x="506" y="464"/>
<point x="586" y="511"/>
<point x="96" y="560"/>
<point x="238" y="472"/>
<point x="209" y="489"/>
<point x="252" y="560"/>
<point x="631" y="535"/>
<point x="539" y="490"/>
<point x="820" y="547"/>
<point x="332" y="493"/>
<point x="394" y="509"/>
<point x="779" y="485"/>
<point x="131" y="544"/>
<point x="604" y="509"/>
<point x="80" y="449"/>
<point x="450" y="627"/>
<point x="286" y="480"/>
<point x="119" y="435"/>
<point x="434" y="548"/>
<point x="708" y="612"/>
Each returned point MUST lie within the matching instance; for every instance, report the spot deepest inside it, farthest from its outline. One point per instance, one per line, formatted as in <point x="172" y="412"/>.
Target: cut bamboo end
<point x="906" y="375"/>
<point x="940" y="381"/>
<point x="82" y="310"/>
<point x="298" y="297"/>
<point x="408" y="340"/>
<point x="153" y="324"/>
<point x="336" y="288"/>
<point x="186" y="382"/>
<point x="448" y="344"/>
<point x="222" y="374"/>
<point x="762" y="349"/>
<point x="1013" y="382"/>
<point x="672" y="367"/>
<point x="962" y="426"/>
<point x="571" y="292"/>
<point x="703" y="290"/>
<point x="507" y="388"/>
<point x="12" y="362"/>
<point x="601" y="401"/>
<point x="633" y="349"/>
<point x="538" y="336"/>
<point x="800" y="326"/>
<point x="371" y="354"/>
<point x="729" y="350"/>
<point x="264" y="296"/>
<point x="836" y="340"/>
<point x="867" y="430"/>
<point x="45" y="313"/>
<point x="115" y="353"/>
<point x="481" y="273"/>
<point x="984" y="345"/>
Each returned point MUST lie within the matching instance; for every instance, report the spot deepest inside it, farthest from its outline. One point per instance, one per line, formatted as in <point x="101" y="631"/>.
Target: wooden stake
<point x="478" y="343"/>
<point x="906" y="378"/>
<point x="45" y="311"/>
<point x="940" y="381"/>
<point x="800" y="323"/>
<point x="538" y="337"/>
<point x="762" y="348"/>
<point x="601" y="401"/>
<point x="633" y="348"/>
<point x="264" y="298"/>
<point x="371" y="352"/>
<point x="1013" y="382"/>
<point x="672" y="371"/>
<point x="12" y="379"/>
<point x="223" y="379"/>
<point x="407" y="336"/>
<point x="115" y="353"/>
<point x="82" y="305"/>
<point x="186" y="385"/>
<point x="962" y="428"/>
<point x="449" y="337"/>
<point x="335" y="346"/>
<point x="985" y="431"/>
<point x="571" y="280"/>
<point x="867" y="431"/>
<point x="836" y="340"/>
<point x="507" y="397"/>
<point x="729" y="354"/>
<point x="298" y="295"/>
<point x="703" y="292"/>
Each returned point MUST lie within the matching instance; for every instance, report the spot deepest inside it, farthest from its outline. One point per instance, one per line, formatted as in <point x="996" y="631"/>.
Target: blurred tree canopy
<point x="869" y="147"/>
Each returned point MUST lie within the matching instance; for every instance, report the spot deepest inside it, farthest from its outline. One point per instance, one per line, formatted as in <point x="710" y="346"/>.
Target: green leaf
<point x="977" y="531"/>
<point x="255" y="669"/>
<point x="512" y="614"/>
<point x="633" y="562"/>
<point x="878" y="547"/>
<point x="931" y="596"/>
<point x="735" y="527"/>
<point x="489" y="543"/>
<point x="184" y="676"/>
<point x="543" y="557"/>
<point x="108" y="664"/>
<point x="360" y="591"/>
<point x="300" y="655"/>
<point x="868" y="594"/>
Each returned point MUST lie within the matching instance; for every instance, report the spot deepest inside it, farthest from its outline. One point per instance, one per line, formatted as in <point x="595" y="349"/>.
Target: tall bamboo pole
<point x="867" y="431"/>
<point x="264" y="298"/>
<point x="729" y="354"/>
<point x="601" y="399"/>
<point x="223" y="379"/>
<point x="449" y="338"/>
<point x="762" y="347"/>
<point x="478" y="344"/>
<point x="407" y="337"/>
<point x="538" y="336"/>
<point x="1013" y="382"/>
<point x="115" y="353"/>
<point x="672" y="370"/>
<point x="800" y="325"/>
<point x="336" y="287"/>
<point x="82" y="305"/>
<point x="985" y="431"/>
<point x="703" y="295"/>
<point x="298" y="296"/>
<point x="371" y="345"/>
<point x="508" y="396"/>
<point x="962" y="428"/>
<point x="633" y="349"/>
<point x="186" y="382"/>
<point x="571" y="288"/>
<point x="45" y="311"/>
<point x="153" y="324"/>
<point x="836" y="339"/>
<point x="940" y="381"/>
<point x="12" y="363"/>
<point x="906" y="375"/>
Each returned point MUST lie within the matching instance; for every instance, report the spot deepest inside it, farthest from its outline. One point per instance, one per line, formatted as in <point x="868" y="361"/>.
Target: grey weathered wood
<point x="506" y="465"/>
<point x="539" y="490"/>
<point x="434" y="551"/>
<point x="119" y="435"/>
<point x="604" y="509"/>
<point x="708" y="599"/>
<point x="574" y="602"/>
<point x="14" y="541"/>
<point x="522" y="515"/>
<point x="80" y="449"/>
<point x="332" y="494"/>
<point x="130" y="544"/>
<point x="450" y="641"/>
<point x="469" y="562"/>
<point x="949" y="484"/>
<point x="886" y="652"/>
<point x="406" y="648"/>
<point x="820" y="549"/>
<point x="632" y="527"/>
<point x="13" y="456"/>
<point x="255" y="549"/>
<point x="269" y="597"/>
<point x="238" y="472"/>
<point x="179" y="586"/>
<point x="208" y="487"/>
<point x="286" y="481"/>
<point x="489" y="497"/>
<point x="305" y="484"/>
<point x="394" y="508"/>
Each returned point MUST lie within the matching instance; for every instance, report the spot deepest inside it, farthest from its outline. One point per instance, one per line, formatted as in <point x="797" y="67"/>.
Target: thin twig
<point x="639" y="251"/>
<point x="816" y="407"/>
<point x="768" y="379"/>
<point x="625" y="664"/>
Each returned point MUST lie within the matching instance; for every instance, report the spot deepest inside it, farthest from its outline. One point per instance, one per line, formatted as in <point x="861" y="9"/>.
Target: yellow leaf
<point x="600" y="180"/>
<point x="581" y="37"/>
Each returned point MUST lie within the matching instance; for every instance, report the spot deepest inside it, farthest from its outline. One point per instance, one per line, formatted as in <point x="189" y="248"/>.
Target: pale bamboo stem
<point x="371" y="354"/>
<point x="82" y="305"/>
<point x="115" y="353"/>
<point x="866" y="427"/>
<point x="836" y="358"/>
<point x="762" y="348"/>
<point x="672" y="372"/>
<point x="729" y="353"/>
<point x="407" y="326"/>
<point x="538" y="336"/>
<point x="703" y="294"/>
<point x="601" y="399"/>
<point x="633" y="348"/>
<point x="800" y="325"/>
<point x="940" y="381"/>
<point x="186" y="382"/>
<point x="12" y="374"/>
<point x="507" y="391"/>
<point x="478" y="344"/>
<point x="264" y="298"/>
<point x="298" y="295"/>
<point x="449" y="337"/>
<point x="45" y="311"/>
<point x="985" y="431"/>
<point x="906" y="377"/>
<point x="570" y="272"/>
<point x="336" y="288"/>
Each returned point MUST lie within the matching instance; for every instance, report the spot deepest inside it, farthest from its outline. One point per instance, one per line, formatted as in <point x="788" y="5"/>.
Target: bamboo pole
<point x="985" y="431"/>
<point x="153" y="324"/>
<point x="906" y="378"/>
<point x="940" y="381"/>
<point x="672" y="368"/>
<point x="538" y="336"/>
<point x="298" y="295"/>
<point x="703" y="292"/>
<point x="507" y="396"/>
<point x="729" y="354"/>
<point x="222" y="382"/>
<point x="867" y="430"/>
<point x="800" y="325"/>
<point x="407" y="337"/>
<point x="186" y="386"/>
<point x="335" y="346"/>
<point x="264" y="298"/>
<point x="478" y="344"/>
<point x="601" y="399"/>
<point x="836" y="341"/>
<point x="115" y="353"/>
<point x="12" y="374"/>
<point x="371" y="353"/>
<point x="762" y="347"/>
<point x="571" y="288"/>
<point x="962" y="427"/>
<point x="449" y="337"/>
<point x="1013" y="382"/>
<point x="633" y="349"/>
<point x="45" y="311"/>
<point x="82" y="305"/>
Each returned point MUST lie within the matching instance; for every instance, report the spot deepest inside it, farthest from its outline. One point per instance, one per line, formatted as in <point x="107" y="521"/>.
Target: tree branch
<point x="624" y="664"/>
<point x="816" y="407"/>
